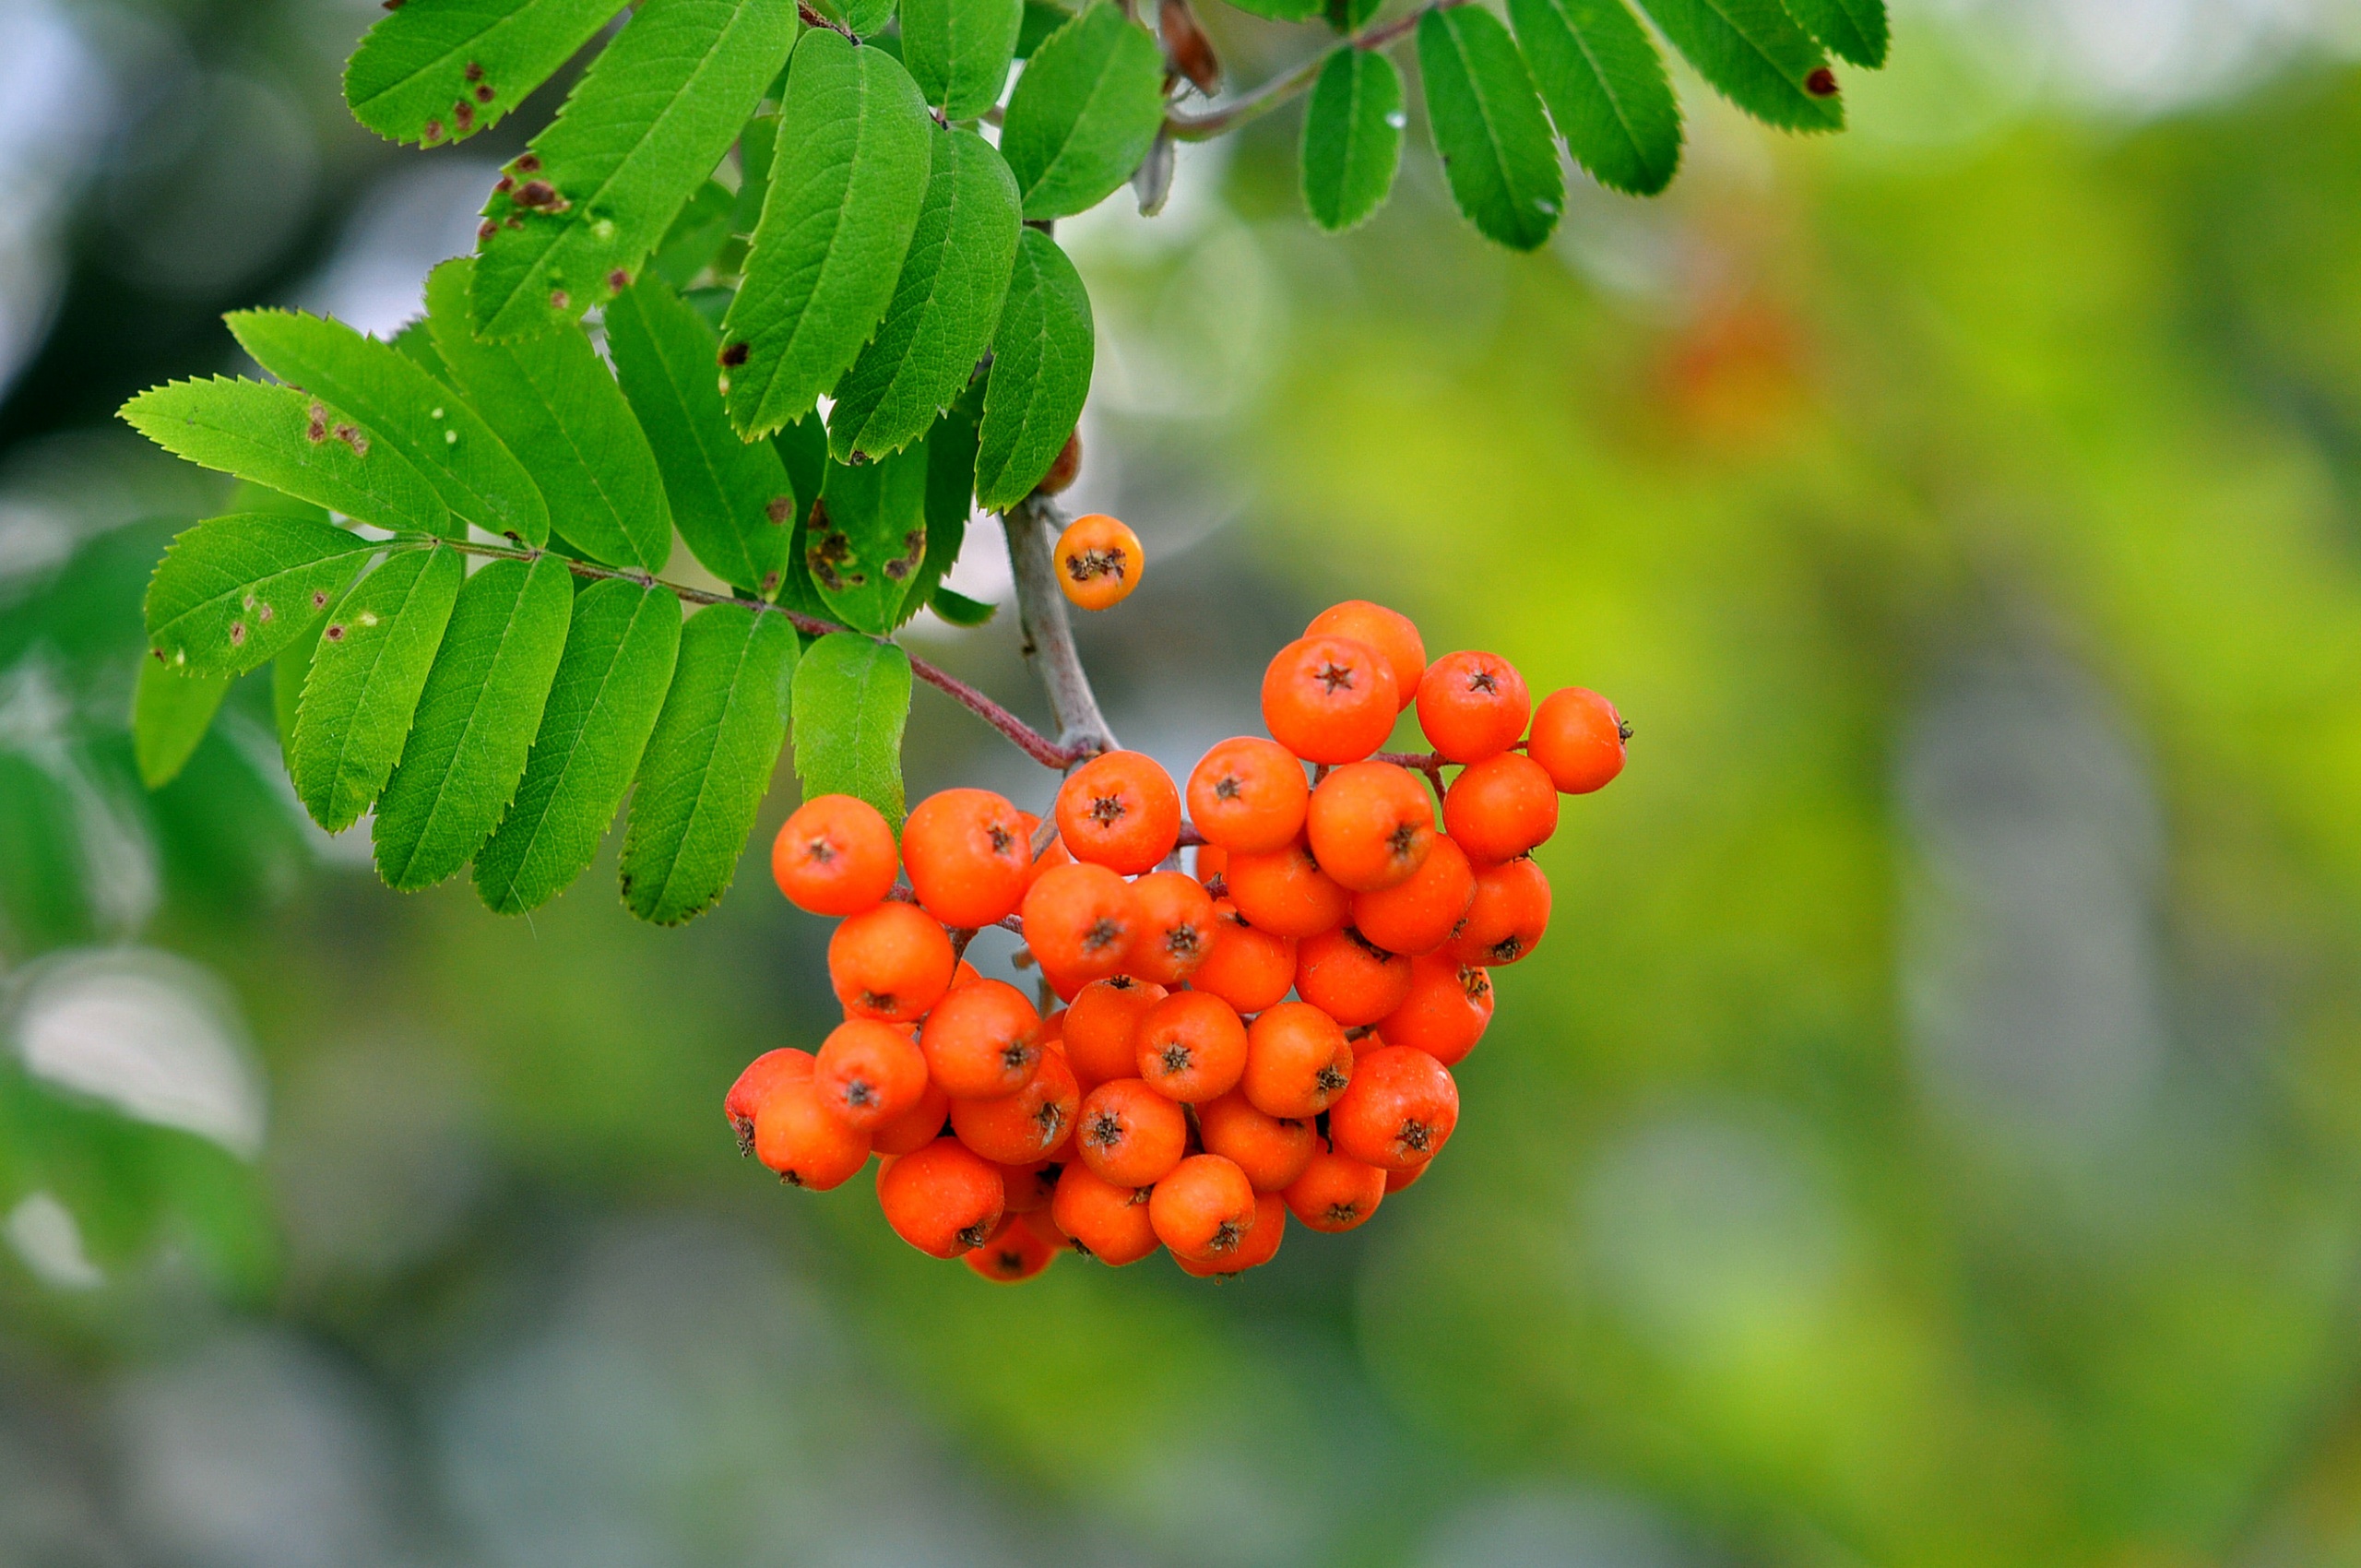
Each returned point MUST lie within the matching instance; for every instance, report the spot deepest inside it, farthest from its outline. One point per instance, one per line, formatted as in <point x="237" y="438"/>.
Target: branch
<point x="1258" y="102"/>
<point x="1032" y="525"/>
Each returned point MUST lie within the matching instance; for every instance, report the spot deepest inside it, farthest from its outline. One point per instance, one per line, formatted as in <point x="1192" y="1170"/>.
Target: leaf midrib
<point x="369" y="681"/>
<point x="712" y="738"/>
<point x="1606" y="83"/>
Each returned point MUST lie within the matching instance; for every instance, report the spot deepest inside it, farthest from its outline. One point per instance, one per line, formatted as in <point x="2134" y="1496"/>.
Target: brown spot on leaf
<point x="354" y="439"/>
<point x="734" y="355"/>
<point x="262" y="613"/>
<point x="507" y="183"/>
<point x="484" y="93"/>
<point x="541" y="196"/>
<point x="780" y="510"/>
<point x="319" y="599"/>
<point x="913" y="552"/>
<point x="434" y="131"/>
<point x="474" y="72"/>
<point x="559" y="298"/>
<point x="618" y="280"/>
<point x="334" y="633"/>
<point x="526" y="164"/>
<point x="463" y="114"/>
<point x="486" y="230"/>
<point x="1821" y="83"/>
<point x="237" y="634"/>
<point x="317" y="431"/>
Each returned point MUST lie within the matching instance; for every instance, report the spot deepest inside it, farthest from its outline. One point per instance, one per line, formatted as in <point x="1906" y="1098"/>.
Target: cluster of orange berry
<point x="1179" y="1098"/>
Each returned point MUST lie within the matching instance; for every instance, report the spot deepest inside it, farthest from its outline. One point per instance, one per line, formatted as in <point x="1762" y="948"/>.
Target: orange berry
<point x="1099" y="561"/>
<point x="982" y="1041"/>
<point x="1128" y="1133"/>
<point x="1506" y="918"/>
<point x="1249" y="968"/>
<point x="1191" y="1047"/>
<point x="966" y="974"/>
<point x="1579" y="736"/>
<point x="1026" y="1188"/>
<point x="1042" y="1224"/>
<point x="1397" y="1180"/>
<point x="1203" y="1208"/>
<point x="1120" y="810"/>
<point x="834" y="856"/>
<point x="969" y="855"/>
<point x="1393" y="633"/>
<point x="1019" y="1128"/>
<point x="1418" y="915"/>
<point x="1351" y="978"/>
<point x="1399" y="1110"/>
<point x="1176" y="926"/>
<point x="1472" y="705"/>
<point x="1103" y="1024"/>
<point x="1107" y="1219"/>
<point x="1079" y="922"/>
<point x="1012" y="1254"/>
<point x="943" y="1199"/>
<point x="917" y="1126"/>
<point x="1054" y="853"/>
<point x="1446" y="1012"/>
<point x="1370" y="825"/>
<point x="1286" y="893"/>
<point x="1248" y="794"/>
<point x="1330" y="699"/>
<point x="796" y="1135"/>
<point x="764" y="1074"/>
<point x="1211" y="869"/>
<point x="1052" y="1033"/>
<point x="1336" y="1192"/>
<point x="869" y="1073"/>
<point x="1297" y="1061"/>
<point x="1272" y="1150"/>
<point x="1501" y="807"/>
<point x="891" y="962"/>
<point x="1259" y="1247"/>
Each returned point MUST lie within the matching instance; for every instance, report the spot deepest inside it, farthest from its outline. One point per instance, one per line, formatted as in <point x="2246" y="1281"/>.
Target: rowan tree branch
<point x="1258" y="102"/>
<point x="1033" y="525"/>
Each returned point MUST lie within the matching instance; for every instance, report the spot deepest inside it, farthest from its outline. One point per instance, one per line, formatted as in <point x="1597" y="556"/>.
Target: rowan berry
<point x="1446" y="1012"/>
<point x="1501" y="807"/>
<point x="891" y="962"/>
<point x="1259" y="1246"/>
<point x="1191" y="1047"/>
<point x="1103" y="1024"/>
<point x="1027" y="1187"/>
<point x="796" y="1135"/>
<point x="1012" y="1254"/>
<point x="764" y="1072"/>
<point x="1408" y="1177"/>
<point x="1506" y="918"/>
<point x="1120" y="810"/>
<point x="966" y="974"/>
<point x="834" y="856"/>
<point x="1079" y="922"/>
<point x="1128" y="1133"/>
<point x="1272" y="1150"/>
<point x="1297" y="1061"/>
<point x="1043" y="1225"/>
<point x="1370" y="825"/>
<point x="1099" y="561"/>
<point x="1393" y="633"/>
<point x="1176" y="927"/>
<point x="1579" y="736"/>
<point x="1330" y="699"/>
<point x="1107" y="1219"/>
<point x="868" y="1073"/>
<point x="943" y="1199"/>
<point x="1053" y="855"/>
<point x="1399" y="1110"/>
<point x="1418" y="915"/>
<point x="1286" y="893"/>
<point x="982" y="1041"/>
<point x="1335" y="1190"/>
<point x="1250" y="969"/>
<point x="917" y="1126"/>
<point x="1203" y="1207"/>
<point x="1472" y="705"/>
<point x="969" y="856"/>
<point x="1030" y="1124"/>
<point x="1248" y="794"/>
<point x="1212" y="869"/>
<point x="1349" y="978"/>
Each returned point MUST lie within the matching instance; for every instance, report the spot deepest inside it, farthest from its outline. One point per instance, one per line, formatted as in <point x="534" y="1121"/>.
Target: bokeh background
<point x="1929" y="1134"/>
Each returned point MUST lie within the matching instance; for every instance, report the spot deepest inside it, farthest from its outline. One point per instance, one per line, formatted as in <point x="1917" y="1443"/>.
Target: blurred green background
<point x="1929" y="1134"/>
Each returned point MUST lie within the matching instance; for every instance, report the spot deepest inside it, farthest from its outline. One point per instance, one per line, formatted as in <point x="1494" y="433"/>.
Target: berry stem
<point x="1258" y="102"/>
<point x="1032" y="525"/>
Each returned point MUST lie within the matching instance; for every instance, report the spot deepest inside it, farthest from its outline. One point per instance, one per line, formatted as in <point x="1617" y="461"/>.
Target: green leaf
<point x="1352" y="138"/>
<point x="1488" y="128"/>
<point x="1084" y="112"/>
<point x="867" y="539"/>
<point x="448" y="442"/>
<point x="248" y="496"/>
<point x="708" y="762"/>
<point x="550" y="399"/>
<point x="476" y="718"/>
<point x="415" y="342"/>
<point x="731" y="498"/>
<point x="1852" y="30"/>
<point x="1041" y="19"/>
<point x="640" y="131"/>
<point x="366" y="676"/>
<point x="1756" y="56"/>
<point x="441" y="70"/>
<point x="958" y="51"/>
<point x="955" y="275"/>
<point x="866" y="17"/>
<point x="696" y="236"/>
<point x="847" y="181"/>
<point x="961" y="611"/>
<point x="288" y="673"/>
<point x="610" y="683"/>
<point x="1041" y="355"/>
<point x="950" y="495"/>
<point x="230" y="593"/>
<point x="852" y="697"/>
<point x="278" y="436"/>
<point x="170" y="711"/>
<point x="1604" y="81"/>
<point x="1348" y="17"/>
<point x="1281" y="10"/>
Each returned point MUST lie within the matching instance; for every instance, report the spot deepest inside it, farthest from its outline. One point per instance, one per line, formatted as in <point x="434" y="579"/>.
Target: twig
<point x="1258" y="102"/>
<point x="1033" y="525"/>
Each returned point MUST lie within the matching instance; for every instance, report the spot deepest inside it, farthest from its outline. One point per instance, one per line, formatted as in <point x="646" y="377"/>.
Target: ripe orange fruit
<point x="1099" y="561"/>
<point x="1418" y="915"/>
<point x="1501" y="807"/>
<point x="1030" y="1124"/>
<point x="1176" y="926"/>
<point x="1506" y="918"/>
<point x="1297" y="1061"/>
<point x="1248" y="794"/>
<point x="1128" y="1133"/>
<point x="1399" y="1110"/>
<point x="795" y="1136"/>
<point x="1579" y="736"/>
<point x="1259" y="1246"/>
<point x="834" y="856"/>
<point x="1108" y="1219"/>
<point x="1079" y="922"/>
<point x="1472" y="705"/>
<point x="868" y="1073"/>
<point x="1102" y="1025"/>
<point x="917" y="1126"/>
<point x="943" y="1199"/>
<point x="1250" y="969"/>
<point x="1191" y="1047"/>
<point x="1393" y="633"/>
<point x="764" y="1074"/>
<point x="1026" y="1188"/>
<point x="1120" y="810"/>
<point x="1286" y="893"/>
<point x="969" y="855"/>
<point x="981" y="1040"/>
<point x="1446" y="1012"/>
<point x="1203" y="1208"/>
<point x="1397" y="1180"/>
<point x="1371" y="825"/>
<point x="1336" y="1192"/>
<point x="1330" y="699"/>
<point x="1351" y="978"/>
<point x="1012" y="1254"/>
<point x="890" y="962"/>
<point x="1272" y="1150"/>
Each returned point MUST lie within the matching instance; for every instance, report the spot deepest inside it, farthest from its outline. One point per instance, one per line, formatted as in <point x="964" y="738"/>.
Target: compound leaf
<point x="170" y="710"/>
<point x="366" y="676"/>
<point x="1604" y="82"/>
<point x="1854" y="31"/>
<point x="958" y="51"/>
<point x="1755" y="56"/>
<point x="230" y="593"/>
<point x="852" y="698"/>
<point x="1084" y="112"/>
<point x="1042" y="355"/>
<point x="1488" y="128"/>
<point x="866" y="541"/>
<point x="433" y="71"/>
<point x="1352" y="138"/>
